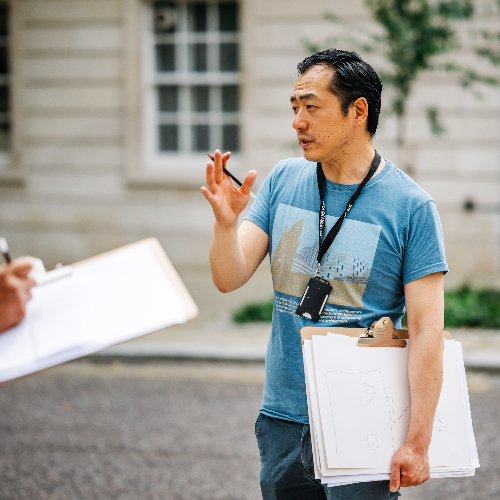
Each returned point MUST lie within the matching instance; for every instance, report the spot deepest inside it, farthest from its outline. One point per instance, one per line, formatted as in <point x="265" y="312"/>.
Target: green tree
<point x="412" y="36"/>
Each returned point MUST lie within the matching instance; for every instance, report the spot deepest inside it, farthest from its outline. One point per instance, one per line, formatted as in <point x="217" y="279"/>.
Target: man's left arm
<point x="424" y="299"/>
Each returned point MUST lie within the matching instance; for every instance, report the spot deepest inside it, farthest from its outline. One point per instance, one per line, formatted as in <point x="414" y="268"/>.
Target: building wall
<point x="76" y="80"/>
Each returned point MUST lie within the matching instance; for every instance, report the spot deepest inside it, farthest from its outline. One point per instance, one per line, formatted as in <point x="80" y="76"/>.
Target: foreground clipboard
<point x="107" y="299"/>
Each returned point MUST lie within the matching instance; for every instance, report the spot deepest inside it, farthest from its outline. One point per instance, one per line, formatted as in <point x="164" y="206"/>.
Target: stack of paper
<point x="359" y="411"/>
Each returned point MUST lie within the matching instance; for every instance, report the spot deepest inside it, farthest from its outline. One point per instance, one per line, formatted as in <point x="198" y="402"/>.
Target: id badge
<point x="314" y="299"/>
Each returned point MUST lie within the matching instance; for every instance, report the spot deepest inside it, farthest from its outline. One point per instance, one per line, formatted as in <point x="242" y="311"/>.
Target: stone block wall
<point x="66" y="194"/>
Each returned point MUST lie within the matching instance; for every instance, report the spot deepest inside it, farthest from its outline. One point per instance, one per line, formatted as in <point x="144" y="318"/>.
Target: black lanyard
<point x="332" y="234"/>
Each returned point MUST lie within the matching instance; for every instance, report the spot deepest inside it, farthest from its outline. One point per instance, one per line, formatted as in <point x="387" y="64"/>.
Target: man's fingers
<point x="211" y="177"/>
<point x="248" y="182"/>
<point x="225" y="157"/>
<point x="395" y="478"/>
<point x="207" y="194"/>
<point x="218" y="173"/>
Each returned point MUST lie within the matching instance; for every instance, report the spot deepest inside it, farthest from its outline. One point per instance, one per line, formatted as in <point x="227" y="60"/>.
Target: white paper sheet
<point x="468" y="415"/>
<point x="371" y="447"/>
<point x="136" y="297"/>
<point x="359" y="401"/>
<point x="56" y="317"/>
<point x="103" y="302"/>
<point x="17" y="345"/>
<point x="342" y="480"/>
<point x="310" y="395"/>
<point x="450" y="443"/>
<point x="315" y="420"/>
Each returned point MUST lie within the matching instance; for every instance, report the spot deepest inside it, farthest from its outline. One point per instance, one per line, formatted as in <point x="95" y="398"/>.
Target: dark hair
<point x="353" y="78"/>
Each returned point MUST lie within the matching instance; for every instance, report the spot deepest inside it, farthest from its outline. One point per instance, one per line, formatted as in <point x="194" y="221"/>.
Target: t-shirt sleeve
<point x="424" y="252"/>
<point x="259" y="214"/>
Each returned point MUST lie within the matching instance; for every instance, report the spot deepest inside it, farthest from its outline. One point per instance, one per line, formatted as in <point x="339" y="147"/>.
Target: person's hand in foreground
<point x="15" y="291"/>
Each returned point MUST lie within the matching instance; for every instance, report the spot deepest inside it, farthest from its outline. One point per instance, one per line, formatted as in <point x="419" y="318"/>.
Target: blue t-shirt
<point x="391" y="236"/>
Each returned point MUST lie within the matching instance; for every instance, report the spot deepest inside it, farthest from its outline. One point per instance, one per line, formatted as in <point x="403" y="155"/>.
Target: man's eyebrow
<point x="302" y="97"/>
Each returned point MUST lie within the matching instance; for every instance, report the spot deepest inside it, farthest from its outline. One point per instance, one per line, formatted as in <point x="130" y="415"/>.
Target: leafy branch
<point x="413" y="37"/>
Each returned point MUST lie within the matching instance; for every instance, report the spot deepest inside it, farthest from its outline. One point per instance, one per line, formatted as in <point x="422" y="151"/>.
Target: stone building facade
<point x="108" y="107"/>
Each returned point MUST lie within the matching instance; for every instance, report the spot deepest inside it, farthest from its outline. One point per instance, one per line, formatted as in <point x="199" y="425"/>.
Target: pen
<point x="226" y="171"/>
<point x="4" y="248"/>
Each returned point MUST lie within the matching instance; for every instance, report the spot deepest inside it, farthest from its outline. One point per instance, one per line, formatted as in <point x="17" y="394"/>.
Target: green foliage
<point x="414" y="32"/>
<point x="257" y="311"/>
<point x="489" y="45"/>
<point x="463" y="308"/>
<point x="472" y="308"/>
<point x="490" y="54"/>
<point x="437" y="128"/>
<point x="413" y="37"/>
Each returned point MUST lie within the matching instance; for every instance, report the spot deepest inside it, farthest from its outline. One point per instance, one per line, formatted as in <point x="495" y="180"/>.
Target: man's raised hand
<point x="226" y="199"/>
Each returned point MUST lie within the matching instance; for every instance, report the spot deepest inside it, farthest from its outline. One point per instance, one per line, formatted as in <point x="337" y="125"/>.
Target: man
<point x="15" y="291"/>
<point x="389" y="252"/>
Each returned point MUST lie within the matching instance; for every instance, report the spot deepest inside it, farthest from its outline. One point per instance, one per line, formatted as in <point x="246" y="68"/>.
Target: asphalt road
<point x="175" y="431"/>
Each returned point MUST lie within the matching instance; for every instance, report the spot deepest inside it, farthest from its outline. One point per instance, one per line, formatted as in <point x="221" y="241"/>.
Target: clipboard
<point x="98" y="302"/>
<point x="380" y="334"/>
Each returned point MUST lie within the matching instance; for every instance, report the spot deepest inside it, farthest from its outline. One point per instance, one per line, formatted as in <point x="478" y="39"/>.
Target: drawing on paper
<point x="405" y="413"/>
<point x="438" y="424"/>
<point x="359" y="401"/>
<point x="370" y="392"/>
<point x="372" y="441"/>
<point x="401" y="420"/>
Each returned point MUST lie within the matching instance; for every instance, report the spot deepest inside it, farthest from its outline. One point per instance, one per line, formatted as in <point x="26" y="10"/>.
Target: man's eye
<point x="310" y="106"/>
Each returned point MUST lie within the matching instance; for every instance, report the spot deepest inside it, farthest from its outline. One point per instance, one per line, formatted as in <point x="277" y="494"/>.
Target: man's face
<point x="322" y="128"/>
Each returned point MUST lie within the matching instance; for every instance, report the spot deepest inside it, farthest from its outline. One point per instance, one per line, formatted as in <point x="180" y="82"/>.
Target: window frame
<point x="12" y="168"/>
<point x="146" y="164"/>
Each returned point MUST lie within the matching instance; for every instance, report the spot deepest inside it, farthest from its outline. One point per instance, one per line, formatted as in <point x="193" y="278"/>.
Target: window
<point x="192" y="82"/>
<point x="4" y="83"/>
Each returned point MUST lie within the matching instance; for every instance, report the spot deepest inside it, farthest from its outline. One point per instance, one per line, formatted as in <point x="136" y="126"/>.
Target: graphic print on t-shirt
<point x="346" y="264"/>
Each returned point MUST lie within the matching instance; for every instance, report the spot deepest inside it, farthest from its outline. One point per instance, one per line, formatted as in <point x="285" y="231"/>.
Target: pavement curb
<point x="482" y="360"/>
<point x="475" y="360"/>
<point x="152" y="351"/>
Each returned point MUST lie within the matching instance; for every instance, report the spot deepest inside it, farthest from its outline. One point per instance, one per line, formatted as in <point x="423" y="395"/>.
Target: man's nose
<point x="298" y="122"/>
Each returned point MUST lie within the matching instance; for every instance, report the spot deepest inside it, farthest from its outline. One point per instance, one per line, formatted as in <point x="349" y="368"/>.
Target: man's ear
<point x="360" y="112"/>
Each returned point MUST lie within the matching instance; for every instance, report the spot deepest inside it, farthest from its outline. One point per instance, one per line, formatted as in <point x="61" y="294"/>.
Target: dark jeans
<point x="287" y="471"/>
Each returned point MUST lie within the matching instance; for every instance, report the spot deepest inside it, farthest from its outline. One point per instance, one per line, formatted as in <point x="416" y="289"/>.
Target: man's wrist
<point x="418" y="443"/>
<point x="225" y="228"/>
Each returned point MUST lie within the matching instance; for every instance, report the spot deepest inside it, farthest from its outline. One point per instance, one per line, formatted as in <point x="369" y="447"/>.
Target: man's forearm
<point x="425" y="375"/>
<point x="425" y="306"/>
<point x="227" y="260"/>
